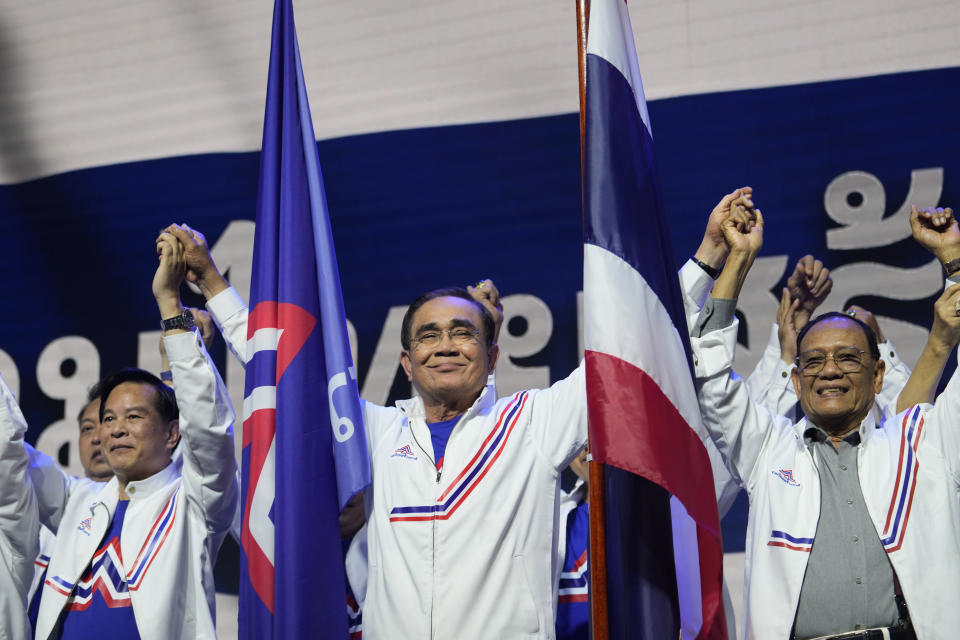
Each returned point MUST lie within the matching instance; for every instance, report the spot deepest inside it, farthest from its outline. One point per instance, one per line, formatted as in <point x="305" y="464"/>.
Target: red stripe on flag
<point x="711" y="599"/>
<point x="260" y="425"/>
<point x="297" y="323"/>
<point x="262" y="316"/>
<point x="258" y="433"/>
<point x="259" y="568"/>
<point x="635" y="427"/>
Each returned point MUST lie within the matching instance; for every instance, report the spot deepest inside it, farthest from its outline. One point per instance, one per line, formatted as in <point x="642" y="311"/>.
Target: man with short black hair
<point x="92" y="460"/>
<point x="95" y="468"/>
<point x="461" y="513"/>
<point x="406" y="327"/>
<point x="462" y="510"/>
<point x="136" y="554"/>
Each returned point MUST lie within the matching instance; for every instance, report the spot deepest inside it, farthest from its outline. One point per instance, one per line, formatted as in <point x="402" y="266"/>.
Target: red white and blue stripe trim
<point x="154" y="542"/>
<point x="787" y="541"/>
<point x="574" y="584"/>
<point x="59" y="585"/>
<point x="901" y="501"/>
<point x="473" y="473"/>
<point x="355" y="618"/>
<point x="105" y="575"/>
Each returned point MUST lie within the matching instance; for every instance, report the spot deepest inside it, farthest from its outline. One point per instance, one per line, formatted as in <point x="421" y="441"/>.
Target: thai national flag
<point x="301" y="407"/>
<point x="664" y="557"/>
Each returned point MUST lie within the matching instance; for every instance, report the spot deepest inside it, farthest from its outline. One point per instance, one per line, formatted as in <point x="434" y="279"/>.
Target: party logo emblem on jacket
<point x="86" y="525"/>
<point x="787" y="476"/>
<point x="404" y="452"/>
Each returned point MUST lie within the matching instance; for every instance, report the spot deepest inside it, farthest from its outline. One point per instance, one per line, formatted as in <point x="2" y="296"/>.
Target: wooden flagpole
<point x="598" y="553"/>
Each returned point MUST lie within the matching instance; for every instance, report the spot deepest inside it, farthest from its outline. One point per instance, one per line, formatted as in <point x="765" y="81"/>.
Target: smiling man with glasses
<point x="461" y="525"/>
<point x="461" y="514"/>
<point x="854" y="523"/>
<point x="838" y="373"/>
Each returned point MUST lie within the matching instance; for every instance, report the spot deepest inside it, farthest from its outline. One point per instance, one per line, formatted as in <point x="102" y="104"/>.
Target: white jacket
<point x="174" y="523"/>
<point x="909" y="471"/>
<point x="470" y="553"/>
<point x="19" y="524"/>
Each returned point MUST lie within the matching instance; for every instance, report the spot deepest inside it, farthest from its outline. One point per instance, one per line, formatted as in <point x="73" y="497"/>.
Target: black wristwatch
<point x="182" y="321"/>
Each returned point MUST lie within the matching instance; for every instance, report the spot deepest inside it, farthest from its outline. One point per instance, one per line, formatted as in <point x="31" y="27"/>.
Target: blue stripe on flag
<point x="641" y="575"/>
<point x="261" y="370"/>
<point x="622" y="188"/>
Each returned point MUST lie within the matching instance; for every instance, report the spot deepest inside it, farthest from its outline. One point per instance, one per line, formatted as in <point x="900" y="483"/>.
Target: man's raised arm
<point x="19" y="524"/>
<point x="937" y="231"/>
<point x="943" y="338"/>
<point x="736" y="425"/>
<point x="206" y="416"/>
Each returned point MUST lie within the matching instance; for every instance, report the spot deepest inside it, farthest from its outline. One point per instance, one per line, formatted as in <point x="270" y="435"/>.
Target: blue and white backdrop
<point x="450" y="150"/>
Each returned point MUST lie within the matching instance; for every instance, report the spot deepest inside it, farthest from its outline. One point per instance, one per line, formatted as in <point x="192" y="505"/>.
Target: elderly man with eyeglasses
<point x="854" y="525"/>
<point x="461" y="514"/>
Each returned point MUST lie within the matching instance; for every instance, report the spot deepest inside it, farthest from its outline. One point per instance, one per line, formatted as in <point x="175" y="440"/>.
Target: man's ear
<point x="878" y="376"/>
<point x="406" y="364"/>
<point x="795" y="378"/>
<point x="493" y="352"/>
<point x="173" y="435"/>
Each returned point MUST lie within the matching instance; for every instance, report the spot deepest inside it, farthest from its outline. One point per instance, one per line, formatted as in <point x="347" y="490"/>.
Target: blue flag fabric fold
<point x="304" y="447"/>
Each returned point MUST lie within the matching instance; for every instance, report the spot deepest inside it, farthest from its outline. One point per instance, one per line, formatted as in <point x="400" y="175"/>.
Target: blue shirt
<point x="439" y="434"/>
<point x="573" y="604"/>
<point x="100" y="604"/>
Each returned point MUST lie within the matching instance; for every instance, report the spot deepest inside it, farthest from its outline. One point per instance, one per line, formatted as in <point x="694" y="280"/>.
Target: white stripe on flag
<point x="687" y="563"/>
<point x="260" y="524"/>
<point x="640" y="332"/>
<point x="259" y="398"/>
<point x="611" y="38"/>
<point x="263" y="340"/>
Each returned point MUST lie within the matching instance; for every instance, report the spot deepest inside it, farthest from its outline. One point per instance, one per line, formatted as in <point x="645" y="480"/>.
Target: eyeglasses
<point x="847" y="359"/>
<point x="459" y="336"/>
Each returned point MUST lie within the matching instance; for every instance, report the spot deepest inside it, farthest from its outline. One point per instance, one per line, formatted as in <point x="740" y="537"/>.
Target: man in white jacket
<point x="853" y="525"/>
<point x="18" y="521"/>
<point x="136" y="555"/>
<point x="95" y="468"/>
<point x="462" y="510"/>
